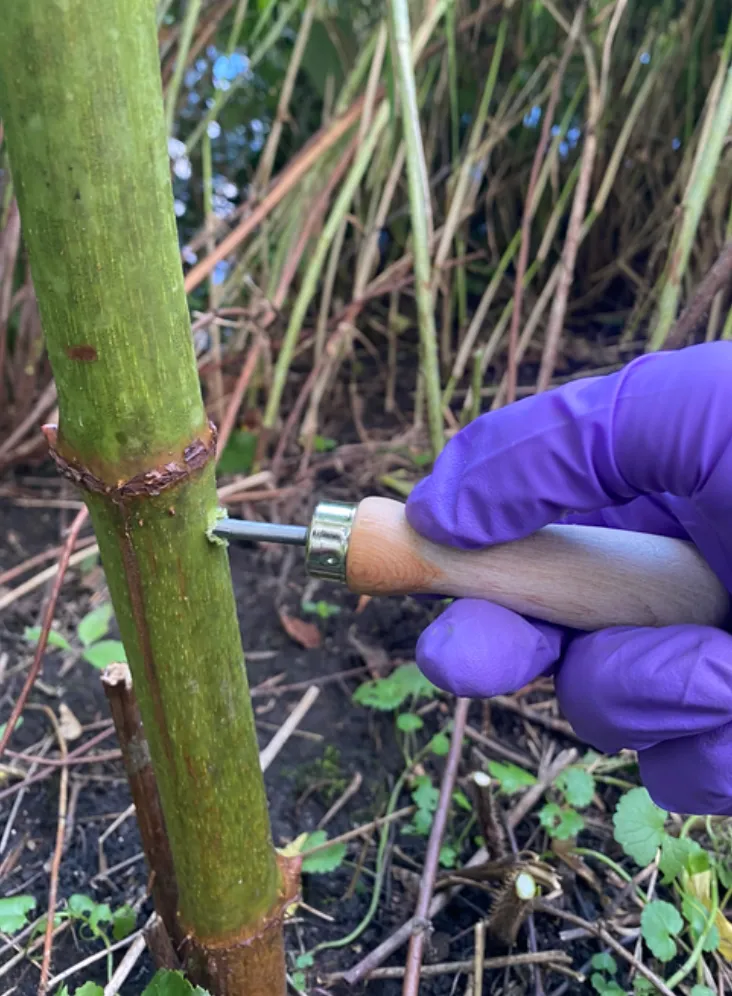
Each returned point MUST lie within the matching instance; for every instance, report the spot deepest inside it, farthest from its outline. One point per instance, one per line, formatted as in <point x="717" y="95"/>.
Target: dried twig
<point x="601" y="932"/>
<point x="693" y="315"/>
<point x="45" y="628"/>
<point x="58" y="851"/>
<point x="453" y="967"/>
<point x="234" y="405"/>
<point x="278" y="741"/>
<point x="131" y="957"/>
<point x="530" y="206"/>
<point x="416" y="946"/>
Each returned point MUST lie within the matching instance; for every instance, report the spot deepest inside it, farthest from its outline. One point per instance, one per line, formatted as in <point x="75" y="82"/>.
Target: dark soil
<point x="305" y="780"/>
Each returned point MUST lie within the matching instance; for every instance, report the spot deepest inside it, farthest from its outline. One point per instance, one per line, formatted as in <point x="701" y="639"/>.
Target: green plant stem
<point x="678" y="977"/>
<point x="588" y="852"/>
<point x="695" y="199"/>
<point x="193" y="9"/>
<point x="380" y="863"/>
<point x="419" y="199"/>
<point x="239" y="14"/>
<point x="312" y="274"/>
<point x="86" y="134"/>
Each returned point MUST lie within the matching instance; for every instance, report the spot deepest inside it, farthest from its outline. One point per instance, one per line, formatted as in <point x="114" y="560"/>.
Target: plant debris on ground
<point x="564" y="194"/>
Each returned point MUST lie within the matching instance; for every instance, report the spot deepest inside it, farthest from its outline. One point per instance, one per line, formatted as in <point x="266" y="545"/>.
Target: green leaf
<point x="89" y="989"/>
<point x="304" y="960"/>
<point x="420" y="825"/>
<point x="460" y="799"/>
<point x="440" y="745"/>
<point x="81" y="906"/>
<point x="167" y="983"/>
<point x="239" y="453"/>
<point x="448" y="856"/>
<point x="124" y="921"/>
<point x="323" y="861"/>
<point x="676" y="853"/>
<point x="101" y="914"/>
<point x="510" y="777"/>
<point x="606" y="987"/>
<point x="425" y="795"/>
<point x="409" y="722"/>
<point x="95" y="624"/>
<point x="321" y="608"/>
<point x="696" y="915"/>
<point x="391" y="692"/>
<point x="4" y="726"/>
<point x="702" y="991"/>
<point x="299" y="981"/>
<point x="660" y="923"/>
<point x="321" y="444"/>
<point x="577" y="786"/>
<point x="561" y="822"/>
<point x="639" y="824"/>
<point x="14" y="913"/>
<point x="642" y="987"/>
<point x="604" y="962"/>
<point x="104" y="653"/>
<point x="722" y="868"/>
<point x="33" y="634"/>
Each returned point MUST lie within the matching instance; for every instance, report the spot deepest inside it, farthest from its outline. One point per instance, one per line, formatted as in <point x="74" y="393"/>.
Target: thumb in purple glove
<point x="647" y="449"/>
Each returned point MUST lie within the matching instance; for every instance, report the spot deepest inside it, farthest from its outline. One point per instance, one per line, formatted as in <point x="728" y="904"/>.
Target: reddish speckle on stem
<point x="84" y="353"/>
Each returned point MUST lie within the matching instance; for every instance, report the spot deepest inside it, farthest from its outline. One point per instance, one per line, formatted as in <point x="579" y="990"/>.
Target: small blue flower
<point x="563" y="149"/>
<point x="532" y="119"/>
<point x="228" y="67"/>
<point x="645" y="58"/>
<point x="675" y="143"/>
<point x="573" y="136"/>
<point x="220" y="271"/>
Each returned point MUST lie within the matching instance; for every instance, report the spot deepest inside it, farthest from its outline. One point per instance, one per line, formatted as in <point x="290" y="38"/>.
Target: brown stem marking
<point x="146" y="484"/>
<point x="219" y="967"/>
<point x="117" y="684"/>
<point x="45" y="628"/>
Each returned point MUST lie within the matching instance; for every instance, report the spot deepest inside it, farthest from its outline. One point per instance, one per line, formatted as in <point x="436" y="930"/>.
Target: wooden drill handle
<point x="584" y="577"/>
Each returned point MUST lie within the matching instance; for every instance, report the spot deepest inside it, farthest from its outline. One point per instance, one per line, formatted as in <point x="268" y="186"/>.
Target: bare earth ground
<point x="337" y="741"/>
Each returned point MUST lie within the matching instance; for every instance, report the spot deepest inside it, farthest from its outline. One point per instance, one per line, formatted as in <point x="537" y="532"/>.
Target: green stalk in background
<point x="86" y="135"/>
<point x="419" y="200"/>
<point x="193" y="9"/>
<point x="695" y="198"/>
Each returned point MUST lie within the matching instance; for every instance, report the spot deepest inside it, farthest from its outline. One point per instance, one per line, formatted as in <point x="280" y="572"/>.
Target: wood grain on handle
<point x="580" y="576"/>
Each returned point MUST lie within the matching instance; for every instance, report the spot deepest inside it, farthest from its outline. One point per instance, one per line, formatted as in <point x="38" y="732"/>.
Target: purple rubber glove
<point x="649" y="449"/>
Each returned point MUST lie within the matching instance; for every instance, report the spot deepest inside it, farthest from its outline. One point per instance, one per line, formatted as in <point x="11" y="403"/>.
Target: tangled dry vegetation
<point x="365" y="276"/>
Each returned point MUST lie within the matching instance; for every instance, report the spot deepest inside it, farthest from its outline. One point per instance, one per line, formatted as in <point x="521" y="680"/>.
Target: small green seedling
<point x="604" y="968"/>
<point x="562" y="820"/>
<point x="90" y="643"/>
<point x="14" y="912"/>
<point x="640" y="829"/>
<point x="321" y="608"/>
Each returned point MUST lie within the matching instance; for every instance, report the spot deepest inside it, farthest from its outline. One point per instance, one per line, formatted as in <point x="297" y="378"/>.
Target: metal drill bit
<point x="261" y="532"/>
<point x="325" y="540"/>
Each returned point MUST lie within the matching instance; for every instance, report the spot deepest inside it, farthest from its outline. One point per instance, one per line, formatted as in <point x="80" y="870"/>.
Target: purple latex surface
<point x="650" y="449"/>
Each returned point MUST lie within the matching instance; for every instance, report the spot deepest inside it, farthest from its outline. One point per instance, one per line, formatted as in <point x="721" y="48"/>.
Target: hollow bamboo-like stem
<point x="87" y="143"/>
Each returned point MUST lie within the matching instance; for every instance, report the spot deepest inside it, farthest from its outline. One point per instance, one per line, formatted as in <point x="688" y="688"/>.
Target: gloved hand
<point x="649" y="449"/>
